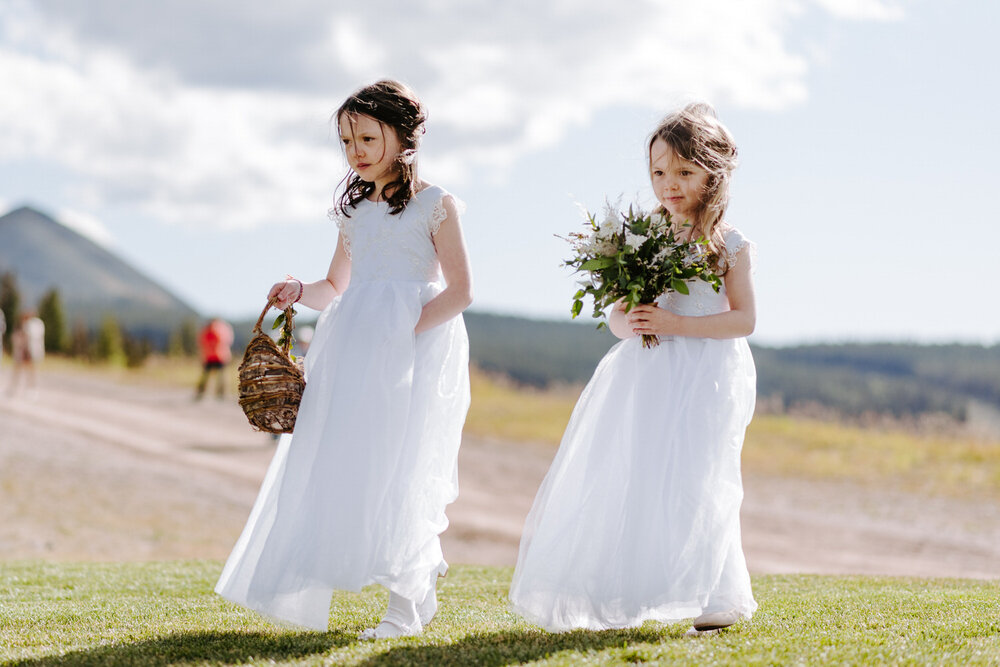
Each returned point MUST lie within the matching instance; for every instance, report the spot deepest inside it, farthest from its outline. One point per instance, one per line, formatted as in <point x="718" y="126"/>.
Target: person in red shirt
<point x="215" y="341"/>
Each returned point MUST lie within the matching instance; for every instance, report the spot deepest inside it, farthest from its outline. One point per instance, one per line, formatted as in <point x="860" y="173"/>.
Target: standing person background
<point x="357" y="495"/>
<point x="3" y="330"/>
<point x="638" y="517"/>
<point x="27" y="344"/>
<point x="215" y="342"/>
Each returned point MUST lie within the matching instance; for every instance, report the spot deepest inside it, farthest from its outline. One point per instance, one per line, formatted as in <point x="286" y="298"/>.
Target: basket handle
<point x="289" y="314"/>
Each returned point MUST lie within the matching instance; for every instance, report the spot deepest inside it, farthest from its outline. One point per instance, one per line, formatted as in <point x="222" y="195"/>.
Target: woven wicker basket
<point x="271" y="383"/>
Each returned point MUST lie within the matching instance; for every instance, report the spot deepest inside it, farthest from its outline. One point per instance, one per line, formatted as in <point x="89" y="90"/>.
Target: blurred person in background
<point x="3" y="330"/>
<point x="27" y="344"/>
<point x="215" y="342"/>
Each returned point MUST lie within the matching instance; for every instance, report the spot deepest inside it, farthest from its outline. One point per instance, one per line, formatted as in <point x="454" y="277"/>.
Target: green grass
<point x="163" y="614"/>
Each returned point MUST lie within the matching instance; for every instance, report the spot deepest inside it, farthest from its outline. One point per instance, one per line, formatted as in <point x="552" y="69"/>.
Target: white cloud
<point x="118" y="99"/>
<point x="863" y="10"/>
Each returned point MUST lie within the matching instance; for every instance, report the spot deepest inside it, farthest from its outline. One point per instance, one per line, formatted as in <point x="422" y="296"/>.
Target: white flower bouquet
<point x="635" y="257"/>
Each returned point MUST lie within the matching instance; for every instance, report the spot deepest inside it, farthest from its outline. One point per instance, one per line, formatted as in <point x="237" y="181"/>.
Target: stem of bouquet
<point x="650" y="341"/>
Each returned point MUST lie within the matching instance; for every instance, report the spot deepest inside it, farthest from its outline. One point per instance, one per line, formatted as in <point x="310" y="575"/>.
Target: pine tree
<point x="79" y="341"/>
<point x="184" y="340"/>
<point x="50" y="310"/>
<point x="108" y="346"/>
<point x="10" y="303"/>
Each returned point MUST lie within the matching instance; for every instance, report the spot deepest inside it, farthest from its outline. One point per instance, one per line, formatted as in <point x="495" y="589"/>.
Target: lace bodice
<point x="394" y="247"/>
<point x="703" y="300"/>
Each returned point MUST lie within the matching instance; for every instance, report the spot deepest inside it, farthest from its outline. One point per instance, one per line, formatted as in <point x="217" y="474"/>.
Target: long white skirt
<point x="638" y="517"/>
<point x="357" y="494"/>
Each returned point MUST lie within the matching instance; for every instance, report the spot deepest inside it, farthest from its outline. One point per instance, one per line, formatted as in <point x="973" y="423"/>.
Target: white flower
<point x="634" y="240"/>
<point x="607" y="229"/>
<point x="606" y="247"/>
<point x="699" y="253"/>
<point x="658" y="221"/>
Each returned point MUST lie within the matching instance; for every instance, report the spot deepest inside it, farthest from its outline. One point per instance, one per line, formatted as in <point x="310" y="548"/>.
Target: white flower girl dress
<point x="357" y="494"/>
<point x="638" y="516"/>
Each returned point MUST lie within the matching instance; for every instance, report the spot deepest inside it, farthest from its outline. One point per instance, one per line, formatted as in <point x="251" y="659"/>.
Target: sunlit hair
<point x="396" y="108"/>
<point x="695" y="134"/>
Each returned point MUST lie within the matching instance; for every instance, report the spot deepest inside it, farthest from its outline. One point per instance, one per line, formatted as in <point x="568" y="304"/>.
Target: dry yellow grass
<point x="502" y="410"/>
<point x="801" y="447"/>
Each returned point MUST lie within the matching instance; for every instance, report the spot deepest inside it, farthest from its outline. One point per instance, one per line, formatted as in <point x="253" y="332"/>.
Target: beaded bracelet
<point x="302" y="288"/>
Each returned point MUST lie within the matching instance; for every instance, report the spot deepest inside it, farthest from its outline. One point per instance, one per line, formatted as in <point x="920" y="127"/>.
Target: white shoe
<point x="400" y="620"/>
<point x="428" y="607"/>
<point x="389" y="630"/>
<point x="716" y="620"/>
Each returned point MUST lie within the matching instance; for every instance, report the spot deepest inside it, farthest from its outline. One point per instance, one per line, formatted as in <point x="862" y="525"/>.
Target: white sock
<point x="400" y="620"/>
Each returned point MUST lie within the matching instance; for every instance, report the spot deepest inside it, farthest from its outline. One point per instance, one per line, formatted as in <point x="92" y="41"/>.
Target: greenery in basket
<point x="635" y="257"/>
<point x="285" y="339"/>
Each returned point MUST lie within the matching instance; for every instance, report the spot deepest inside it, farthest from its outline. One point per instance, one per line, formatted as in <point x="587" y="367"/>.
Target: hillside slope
<point x="92" y="281"/>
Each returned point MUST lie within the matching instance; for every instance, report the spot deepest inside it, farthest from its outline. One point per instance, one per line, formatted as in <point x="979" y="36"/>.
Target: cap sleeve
<point x="735" y="241"/>
<point x="439" y="213"/>
<point x="343" y="224"/>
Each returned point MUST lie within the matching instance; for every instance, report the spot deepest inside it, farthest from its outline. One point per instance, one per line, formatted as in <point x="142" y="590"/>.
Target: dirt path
<point x="95" y="470"/>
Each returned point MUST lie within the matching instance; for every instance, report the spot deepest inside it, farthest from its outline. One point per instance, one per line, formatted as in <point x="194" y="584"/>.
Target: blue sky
<point x="193" y="138"/>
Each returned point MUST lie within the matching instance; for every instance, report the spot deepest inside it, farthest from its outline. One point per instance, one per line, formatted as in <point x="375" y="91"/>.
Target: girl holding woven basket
<point x="357" y="495"/>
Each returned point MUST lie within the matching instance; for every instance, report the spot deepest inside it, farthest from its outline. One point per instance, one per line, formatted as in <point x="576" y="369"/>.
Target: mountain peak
<point x="44" y="254"/>
<point x="26" y="212"/>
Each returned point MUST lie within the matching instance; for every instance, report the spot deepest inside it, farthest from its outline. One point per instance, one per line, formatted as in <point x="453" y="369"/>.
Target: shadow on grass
<point x="517" y="647"/>
<point x="196" y="647"/>
<point x="484" y="649"/>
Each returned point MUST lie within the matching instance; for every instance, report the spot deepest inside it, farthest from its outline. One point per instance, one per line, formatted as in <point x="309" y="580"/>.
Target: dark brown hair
<point x="395" y="106"/>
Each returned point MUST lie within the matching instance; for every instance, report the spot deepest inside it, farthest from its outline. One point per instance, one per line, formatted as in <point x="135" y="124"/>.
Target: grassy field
<point x="165" y="614"/>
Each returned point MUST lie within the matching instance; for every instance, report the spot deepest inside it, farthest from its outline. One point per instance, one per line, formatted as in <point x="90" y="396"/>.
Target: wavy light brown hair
<point x="396" y="107"/>
<point x="695" y="134"/>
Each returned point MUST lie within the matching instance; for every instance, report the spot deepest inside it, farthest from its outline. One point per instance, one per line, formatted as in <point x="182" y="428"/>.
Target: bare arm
<point x="618" y="321"/>
<point x="454" y="259"/>
<point x="319" y="294"/>
<point x="738" y="321"/>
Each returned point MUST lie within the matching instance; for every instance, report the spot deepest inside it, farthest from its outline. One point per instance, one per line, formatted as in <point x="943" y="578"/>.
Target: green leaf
<point x="579" y="295"/>
<point x="277" y="321"/>
<point x="597" y="263"/>
<point x="577" y="307"/>
<point x="679" y="286"/>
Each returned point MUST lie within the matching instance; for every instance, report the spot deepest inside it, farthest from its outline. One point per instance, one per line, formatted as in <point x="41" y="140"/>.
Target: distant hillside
<point x="536" y="352"/>
<point x="92" y="281"/>
<point x="889" y="378"/>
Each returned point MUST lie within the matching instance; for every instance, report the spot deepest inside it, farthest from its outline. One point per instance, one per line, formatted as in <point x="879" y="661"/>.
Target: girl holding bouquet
<point x="638" y="517"/>
<point x="357" y="495"/>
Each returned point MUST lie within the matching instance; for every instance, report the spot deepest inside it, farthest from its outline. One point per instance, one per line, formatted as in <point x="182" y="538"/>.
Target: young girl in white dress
<point x="638" y="517"/>
<point x="357" y="495"/>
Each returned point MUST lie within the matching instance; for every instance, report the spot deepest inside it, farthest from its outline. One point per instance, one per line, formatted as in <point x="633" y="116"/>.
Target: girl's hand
<point x="650" y="320"/>
<point x="285" y="293"/>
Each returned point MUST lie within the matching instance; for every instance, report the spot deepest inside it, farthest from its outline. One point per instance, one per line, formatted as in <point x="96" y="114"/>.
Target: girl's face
<point x="371" y="148"/>
<point x="678" y="184"/>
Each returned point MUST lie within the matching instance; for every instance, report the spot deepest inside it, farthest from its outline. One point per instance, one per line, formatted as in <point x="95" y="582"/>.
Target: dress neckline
<point x="415" y="195"/>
